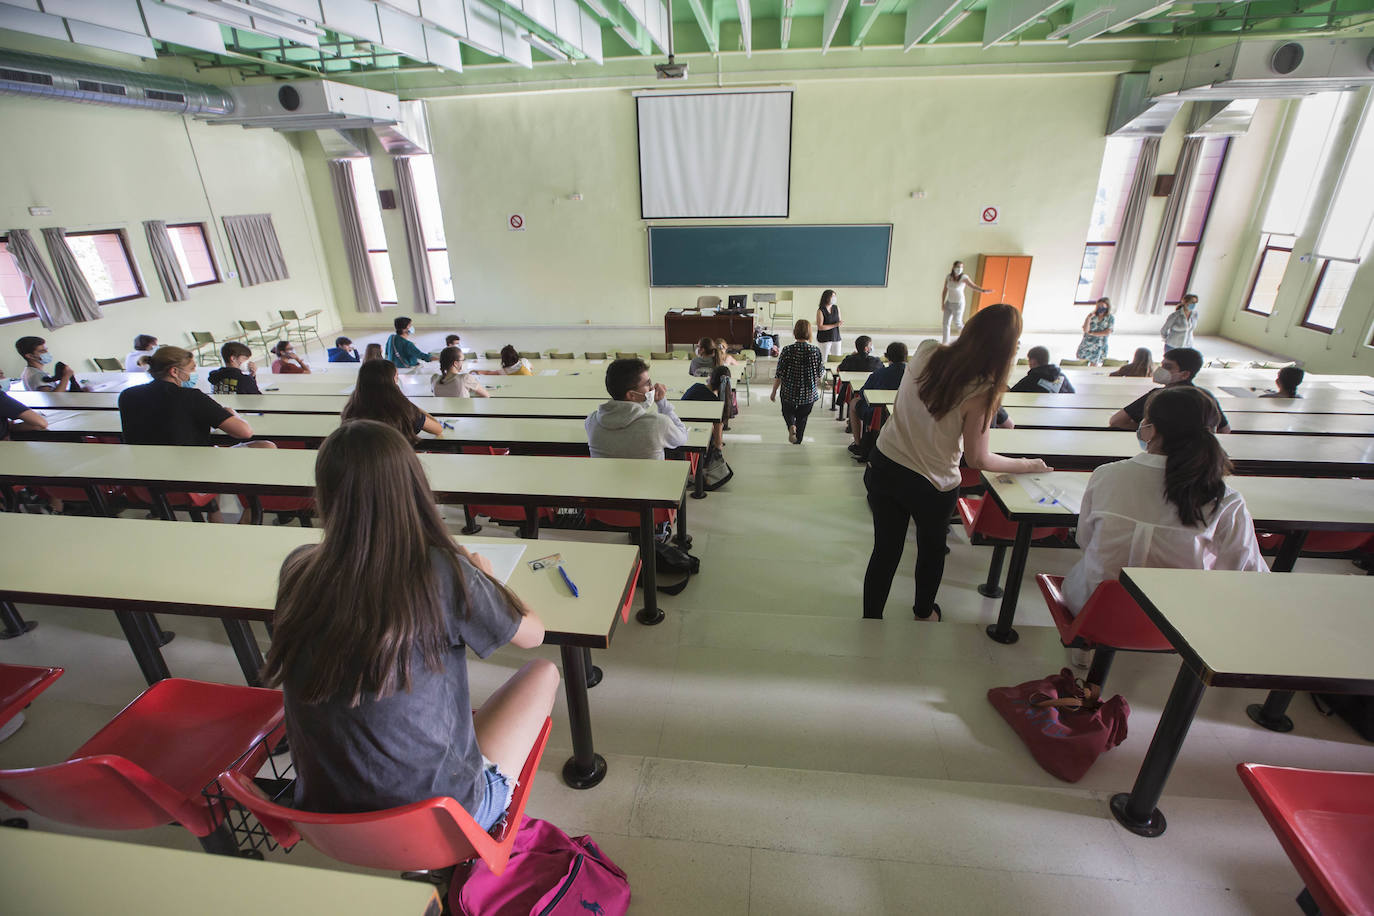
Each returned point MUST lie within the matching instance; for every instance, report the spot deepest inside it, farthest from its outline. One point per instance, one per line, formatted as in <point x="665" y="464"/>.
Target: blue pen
<point x="571" y="587"/>
<point x="447" y="424"/>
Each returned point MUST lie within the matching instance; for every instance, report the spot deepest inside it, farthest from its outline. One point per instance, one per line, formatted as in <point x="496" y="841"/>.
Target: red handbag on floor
<point x="1063" y="723"/>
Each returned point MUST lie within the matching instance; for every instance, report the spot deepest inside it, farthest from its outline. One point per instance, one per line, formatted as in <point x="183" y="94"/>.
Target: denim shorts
<point x="497" y="790"/>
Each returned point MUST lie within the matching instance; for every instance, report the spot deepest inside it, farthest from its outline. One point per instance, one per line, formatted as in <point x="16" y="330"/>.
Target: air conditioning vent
<point x="1286" y="58"/>
<point x="289" y="98"/>
<point x="24" y="76"/>
<point x="165" y="96"/>
<point x="102" y="88"/>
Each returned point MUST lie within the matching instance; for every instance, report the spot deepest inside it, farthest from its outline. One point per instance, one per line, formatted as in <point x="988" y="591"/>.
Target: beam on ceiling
<point x="708" y="29"/>
<point x="746" y="26"/>
<point x="862" y="20"/>
<point x="1122" y="13"/>
<point x="834" y="11"/>
<point x="785" y="23"/>
<point x="1005" y="18"/>
<point x="619" y="19"/>
<point x="923" y="16"/>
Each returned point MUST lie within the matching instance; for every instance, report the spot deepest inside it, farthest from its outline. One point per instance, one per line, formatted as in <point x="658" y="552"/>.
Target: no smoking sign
<point x="516" y="223"/>
<point x="988" y="217"/>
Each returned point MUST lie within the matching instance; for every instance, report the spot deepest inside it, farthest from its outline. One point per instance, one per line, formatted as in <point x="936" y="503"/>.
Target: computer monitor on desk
<point x="737" y="303"/>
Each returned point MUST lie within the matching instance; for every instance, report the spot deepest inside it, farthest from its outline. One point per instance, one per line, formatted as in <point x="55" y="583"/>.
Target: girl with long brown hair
<point x="378" y="396"/>
<point x="1142" y="365"/>
<point x="371" y="631"/>
<point x="948" y="397"/>
<point x="1169" y="506"/>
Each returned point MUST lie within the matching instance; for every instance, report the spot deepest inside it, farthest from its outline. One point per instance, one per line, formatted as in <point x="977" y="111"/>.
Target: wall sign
<point x="988" y="217"/>
<point x="516" y="223"/>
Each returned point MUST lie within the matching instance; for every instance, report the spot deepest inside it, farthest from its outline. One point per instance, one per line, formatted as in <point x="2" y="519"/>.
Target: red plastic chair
<point x="987" y="525"/>
<point x="1318" y="542"/>
<point x="1325" y="822"/>
<point x="299" y="507"/>
<point x="19" y="684"/>
<point x="422" y="836"/>
<point x="1110" y="620"/>
<point x="150" y="763"/>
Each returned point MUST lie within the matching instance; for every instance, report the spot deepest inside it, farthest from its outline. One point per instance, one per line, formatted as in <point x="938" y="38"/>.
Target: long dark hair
<point x="1195" y="463"/>
<point x="826" y="296"/>
<point x="1142" y="365"/>
<point x="449" y="357"/>
<point x="378" y="397"/>
<point x="952" y="275"/>
<point x="509" y="356"/>
<point x="365" y="601"/>
<point x="982" y="354"/>
<point x="707" y="349"/>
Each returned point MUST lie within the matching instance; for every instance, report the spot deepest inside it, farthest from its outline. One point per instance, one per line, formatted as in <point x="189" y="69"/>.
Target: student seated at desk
<point x="372" y="351"/>
<point x="723" y="351"/>
<point x="343" y="351"/>
<point x="378" y="396"/>
<point x="1177" y="368"/>
<point x="862" y="359"/>
<point x="453" y="340"/>
<point x="137" y="361"/>
<point x="16" y="415"/>
<point x="171" y="410"/>
<point x="707" y="358"/>
<point x="1044" y="376"/>
<point x="884" y="378"/>
<point x="287" y="362"/>
<point x="512" y="363"/>
<point x="1288" y="380"/>
<point x="452" y="381"/>
<point x="372" y="629"/>
<point x="402" y="353"/>
<point x="1142" y="365"/>
<point x="709" y="391"/>
<point x="1169" y="506"/>
<point x="638" y="421"/>
<point x="34" y="351"/>
<point x="238" y="375"/>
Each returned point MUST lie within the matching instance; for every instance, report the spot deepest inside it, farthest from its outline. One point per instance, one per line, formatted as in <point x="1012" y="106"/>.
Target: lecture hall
<point x="508" y="456"/>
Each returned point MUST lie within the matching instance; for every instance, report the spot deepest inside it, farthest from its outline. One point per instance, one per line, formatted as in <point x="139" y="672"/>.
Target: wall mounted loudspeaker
<point x="388" y="199"/>
<point x="1164" y="185"/>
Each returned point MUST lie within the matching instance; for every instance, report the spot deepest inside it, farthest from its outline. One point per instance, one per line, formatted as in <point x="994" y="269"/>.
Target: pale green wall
<point x="105" y="168"/>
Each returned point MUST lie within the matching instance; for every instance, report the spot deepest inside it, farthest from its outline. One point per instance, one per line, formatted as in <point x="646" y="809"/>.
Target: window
<point x="14" y="287"/>
<point x="432" y="227"/>
<point x="1348" y="228"/>
<point x="1309" y="147"/>
<point x="374" y="238"/>
<point x="1275" y="253"/>
<point x="192" y="248"/>
<point x="1328" y="296"/>
<point x="104" y="259"/>
<point x="1196" y="211"/>
<point x="1109" y="208"/>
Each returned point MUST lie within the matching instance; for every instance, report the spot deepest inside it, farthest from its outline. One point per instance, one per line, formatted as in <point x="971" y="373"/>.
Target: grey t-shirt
<point x="409" y="746"/>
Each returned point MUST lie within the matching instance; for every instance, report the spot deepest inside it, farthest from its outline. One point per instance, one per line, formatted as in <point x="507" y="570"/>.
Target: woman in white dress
<point x="952" y="300"/>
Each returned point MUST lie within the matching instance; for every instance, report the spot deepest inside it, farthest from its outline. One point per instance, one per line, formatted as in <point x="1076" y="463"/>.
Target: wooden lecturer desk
<point x="689" y="327"/>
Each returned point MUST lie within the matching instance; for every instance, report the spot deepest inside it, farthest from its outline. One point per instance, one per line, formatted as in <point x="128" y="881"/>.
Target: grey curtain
<point x="79" y="295"/>
<point x="253" y="240"/>
<point x="1128" y="241"/>
<point x="359" y="268"/>
<point x="415" y="240"/>
<point x="1162" y="260"/>
<point x="165" y="261"/>
<point x="44" y="294"/>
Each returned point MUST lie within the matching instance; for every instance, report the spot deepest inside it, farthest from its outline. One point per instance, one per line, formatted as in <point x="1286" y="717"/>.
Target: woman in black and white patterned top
<point x="799" y="370"/>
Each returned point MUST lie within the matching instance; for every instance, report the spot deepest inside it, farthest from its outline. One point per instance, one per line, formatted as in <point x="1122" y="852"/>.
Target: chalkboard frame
<point x="771" y="281"/>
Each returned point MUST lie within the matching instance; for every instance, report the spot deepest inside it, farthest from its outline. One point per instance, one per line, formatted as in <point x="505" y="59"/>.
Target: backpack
<point x="1357" y="711"/>
<point x="718" y="473"/>
<point x="549" y="874"/>
<point x="671" y="559"/>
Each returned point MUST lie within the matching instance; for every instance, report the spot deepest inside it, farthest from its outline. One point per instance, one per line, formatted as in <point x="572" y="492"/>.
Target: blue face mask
<point x="45" y="359"/>
<point x="192" y="381"/>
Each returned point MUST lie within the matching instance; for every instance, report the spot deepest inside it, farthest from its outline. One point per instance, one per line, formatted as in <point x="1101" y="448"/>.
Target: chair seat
<point x="19" y="684"/>
<point x="1321" y="541"/>
<point x="1110" y="619"/>
<point x="1325" y="823"/>
<point x="984" y="522"/>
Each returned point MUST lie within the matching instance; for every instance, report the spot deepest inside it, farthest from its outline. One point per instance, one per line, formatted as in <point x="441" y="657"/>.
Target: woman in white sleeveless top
<point x="952" y="299"/>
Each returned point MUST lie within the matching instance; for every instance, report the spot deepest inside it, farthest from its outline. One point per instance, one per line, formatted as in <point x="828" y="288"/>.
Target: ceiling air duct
<point x="310" y="105"/>
<point x="409" y="136"/>
<point x="1223" y="119"/>
<point x="1275" y="69"/>
<point x="1133" y="114"/>
<point x="39" y="76"/>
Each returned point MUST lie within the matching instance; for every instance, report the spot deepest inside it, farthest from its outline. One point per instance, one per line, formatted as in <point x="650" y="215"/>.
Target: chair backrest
<point x="19" y="684"/>
<point x="250" y="325"/>
<point x="530" y="354"/>
<point x="785" y="295"/>
<point x="103" y="791"/>
<point x="708" y="302"/>
<point x="1112" y="618"/>
<point x="555" y="355"/>
<point x="430" y="834"/>
<point x="492" y="354"/>
<point x="653" y="355"/>
<point x="623" y="355"/>
<point x="834" y="358"/>
<point x="108" y="364"/>
<point x="203" y="338"/>
<point x="288" y="314"/>
<point x="594" y="354"/>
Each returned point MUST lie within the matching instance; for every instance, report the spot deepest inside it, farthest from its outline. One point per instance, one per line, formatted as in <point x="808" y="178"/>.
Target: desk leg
<point x="990" y="588"/>
<point x="531" y="523"/>
<point x="1137" y="810"/>
<point x="725" y="389"/>
<point x="585" y="768"/>
<point x="650" y="614"/>
<point x="150" y="660"/>
<point x="246" y="649"/>
<point x="1272" y="714"/>
<point x="1002" y="631"/>
<point x="682" y="538"/>
<point x="699" y="478"/>
<point x="253" y="506"/>
<point x="97" y="500"/>
<point x="1287" y="557"/>
<point x="594" y="674"/>
<point x="14" y="624"/>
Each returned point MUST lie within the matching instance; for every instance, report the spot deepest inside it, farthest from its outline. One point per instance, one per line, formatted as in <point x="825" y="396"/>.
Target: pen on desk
<point x="566" y="578"/>
<point x="447" y="424"/>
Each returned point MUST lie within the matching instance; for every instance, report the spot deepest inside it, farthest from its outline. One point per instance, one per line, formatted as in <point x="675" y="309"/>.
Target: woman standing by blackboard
<point x="952" y="300"/>
<point x="828" y="325"/>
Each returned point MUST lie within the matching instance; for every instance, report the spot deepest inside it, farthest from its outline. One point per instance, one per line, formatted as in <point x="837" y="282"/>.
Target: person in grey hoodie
<point x="638" y="421"/>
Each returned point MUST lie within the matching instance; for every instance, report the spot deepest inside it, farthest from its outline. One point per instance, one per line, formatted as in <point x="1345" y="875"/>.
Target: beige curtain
<point x="1156" y="284"/>
<point x="253" y="240"/>
<point x="359" y="267"/>
<point x="79" y="295"/>
<point x="169" y="276"/>
<point x="1128" y="240"/>
<point x="44" y="294"/>
<point x="417" y="251"/>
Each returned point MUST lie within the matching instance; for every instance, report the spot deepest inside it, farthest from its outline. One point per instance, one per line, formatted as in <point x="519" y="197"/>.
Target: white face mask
<point x="958" y="271"/>
<point x="1163" y="376"/>
<point x="649" y="399"/>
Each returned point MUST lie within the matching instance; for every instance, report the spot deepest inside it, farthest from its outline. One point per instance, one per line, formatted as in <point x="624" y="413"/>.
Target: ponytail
<point x="1195" y="463"/>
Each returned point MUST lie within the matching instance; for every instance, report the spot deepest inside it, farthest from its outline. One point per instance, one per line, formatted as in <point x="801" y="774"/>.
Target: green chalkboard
<point x="769" y="255"/>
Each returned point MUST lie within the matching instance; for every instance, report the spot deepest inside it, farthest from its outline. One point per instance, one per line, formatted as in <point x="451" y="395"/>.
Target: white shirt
<point x="461" y="385"/>
<point x="131" y="361"/>
<point x="915" y="439"/>
<point x="1125" y="520"/>
<point x="513" y="369"/>
<point x="954" y="290"/>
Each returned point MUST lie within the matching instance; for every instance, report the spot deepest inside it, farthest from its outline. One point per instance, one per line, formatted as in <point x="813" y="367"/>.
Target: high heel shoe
<point x="934" y="612"/>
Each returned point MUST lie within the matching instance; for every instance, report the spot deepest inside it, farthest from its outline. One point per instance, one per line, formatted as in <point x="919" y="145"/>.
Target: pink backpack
<point x="549" y="874"/>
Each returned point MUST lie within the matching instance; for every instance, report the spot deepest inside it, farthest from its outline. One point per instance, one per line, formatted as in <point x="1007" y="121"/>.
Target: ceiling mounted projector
<point x="671" y="70"/>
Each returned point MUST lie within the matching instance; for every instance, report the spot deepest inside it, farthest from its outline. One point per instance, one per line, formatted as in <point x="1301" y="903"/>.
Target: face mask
<point x="1101" y="310"/>
<point x="958" y="271"/>
<point x="192" y="381"/>
<point x="649" y="399"/>
<point x="1163" y="376"/>
<point x="45" y="359"/>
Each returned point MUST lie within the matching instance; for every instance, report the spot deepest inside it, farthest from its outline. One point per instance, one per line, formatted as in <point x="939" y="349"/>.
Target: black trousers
<point x="794" y="414"/>
<point x="896" y="496"/>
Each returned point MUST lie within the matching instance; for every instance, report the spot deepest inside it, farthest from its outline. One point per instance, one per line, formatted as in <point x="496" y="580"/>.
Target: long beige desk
<point x="1342" y="405"/>
<point x="173" y="568"/>
<point x="1300" y="424"/>
<point x="1079" y="449"/>
<point x="55" y="874"/>
<point x="1294" y="505"/>
<point x="514" y="480"/>
<point x="1245" y="634"/>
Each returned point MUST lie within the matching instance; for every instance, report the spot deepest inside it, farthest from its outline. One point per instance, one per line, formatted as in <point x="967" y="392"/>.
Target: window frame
<point x="424" y="236"/>
<point x="209" y="250"/>
<point x="1206" y="221"/>
<point x="1086" y="246"/>
<point x="32" y="313"/>
<point x="1111" y="243"/>
<point x="1312" y="301"/>
<point x="355" y="163"/>
<point x="128" y="257"/>
<point x="1259" y="267"/>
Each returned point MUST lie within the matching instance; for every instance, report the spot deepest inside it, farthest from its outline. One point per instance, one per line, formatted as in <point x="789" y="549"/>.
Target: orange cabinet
<point x="1007" y="275"/>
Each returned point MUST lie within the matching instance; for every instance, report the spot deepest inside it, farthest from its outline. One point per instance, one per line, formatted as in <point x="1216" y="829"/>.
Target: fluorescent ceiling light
<point x="536" y="42"/>
<point x="1076" y="24"/>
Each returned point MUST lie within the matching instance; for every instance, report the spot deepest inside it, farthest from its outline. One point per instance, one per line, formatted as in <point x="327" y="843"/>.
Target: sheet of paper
<point x="548" y="371"/>
<point x="504" y="558"/>
<point x="1064" y="489"/>
<point x="596" y="362"/>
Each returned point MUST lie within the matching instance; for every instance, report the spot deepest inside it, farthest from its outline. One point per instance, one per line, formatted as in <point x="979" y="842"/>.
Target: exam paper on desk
<point x="1062" y="489"/>
<point x="504" y="558"/>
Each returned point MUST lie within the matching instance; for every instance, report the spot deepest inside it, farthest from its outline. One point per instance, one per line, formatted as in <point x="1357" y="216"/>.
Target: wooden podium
<point x="688" y="327"/>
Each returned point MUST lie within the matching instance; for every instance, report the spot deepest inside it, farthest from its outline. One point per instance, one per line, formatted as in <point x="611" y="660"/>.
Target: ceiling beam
<point x="708" y="29"/>
<point x="923" y="16"/>
<point x="785" y="23"/>
<point x="746" y="26"/>
<point x="1121" y="13"/>
<point x="862" y="21"/>
<point x="630" y="31"/>
<point x="834" y="11"/>
<point x="1005" y="18"/>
